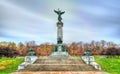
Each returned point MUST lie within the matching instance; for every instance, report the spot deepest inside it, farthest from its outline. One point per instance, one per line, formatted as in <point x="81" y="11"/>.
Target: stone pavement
<point x="62" y="72"/>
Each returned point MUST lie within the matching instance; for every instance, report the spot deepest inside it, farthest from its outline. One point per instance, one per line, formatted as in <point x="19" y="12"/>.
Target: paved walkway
<point x="62" y="72"/>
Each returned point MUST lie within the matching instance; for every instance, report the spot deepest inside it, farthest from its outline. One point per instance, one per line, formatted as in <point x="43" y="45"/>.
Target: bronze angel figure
<point x="59" y="14"/>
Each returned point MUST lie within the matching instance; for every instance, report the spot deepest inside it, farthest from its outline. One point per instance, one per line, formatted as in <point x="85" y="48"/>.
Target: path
<point x="62" y="72"/>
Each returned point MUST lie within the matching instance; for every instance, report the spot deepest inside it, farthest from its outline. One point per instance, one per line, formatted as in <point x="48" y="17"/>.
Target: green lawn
<point x="9" y="65"/>
<point x="111" y="65"/>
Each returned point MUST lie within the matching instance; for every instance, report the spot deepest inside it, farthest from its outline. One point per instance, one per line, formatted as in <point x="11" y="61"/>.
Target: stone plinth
<point x="90" y="60"/>
<point x="28" y="60"/>
<point x="59" y="52"/>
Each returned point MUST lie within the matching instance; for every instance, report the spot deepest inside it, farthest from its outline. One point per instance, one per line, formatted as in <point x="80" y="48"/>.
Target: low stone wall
<point x="90" y="60"/>
<point x="28" y="60"/>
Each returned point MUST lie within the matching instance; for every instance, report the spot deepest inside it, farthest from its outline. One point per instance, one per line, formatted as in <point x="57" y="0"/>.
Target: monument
<point x="59" y="60"/>
<point x="59" y="49"/>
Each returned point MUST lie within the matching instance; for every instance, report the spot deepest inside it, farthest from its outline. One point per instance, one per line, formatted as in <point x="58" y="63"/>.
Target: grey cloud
<point x="111" y="18"/>
<point x="33" y="5"/>
<point x="10" y="36"/>
<point x="4" y="35"/>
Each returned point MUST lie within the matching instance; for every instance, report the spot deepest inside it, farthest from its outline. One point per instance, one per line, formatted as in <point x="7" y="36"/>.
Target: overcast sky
<point x="84" y="20"/>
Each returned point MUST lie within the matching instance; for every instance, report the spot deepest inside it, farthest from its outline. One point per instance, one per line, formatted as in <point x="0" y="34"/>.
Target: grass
<point x="111" y="65"/>
<point x="76" y="57"/>
<point x="9" y="65"/>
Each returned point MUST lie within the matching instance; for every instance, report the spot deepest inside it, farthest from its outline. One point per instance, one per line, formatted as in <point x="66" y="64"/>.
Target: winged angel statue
<point x="59" y="12"/>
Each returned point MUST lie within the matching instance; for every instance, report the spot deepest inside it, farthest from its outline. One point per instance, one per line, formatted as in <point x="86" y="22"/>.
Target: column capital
<point x="59" y="23"/>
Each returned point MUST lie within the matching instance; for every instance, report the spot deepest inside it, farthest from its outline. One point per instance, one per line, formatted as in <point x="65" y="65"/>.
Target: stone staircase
<point x="59" y="65"/>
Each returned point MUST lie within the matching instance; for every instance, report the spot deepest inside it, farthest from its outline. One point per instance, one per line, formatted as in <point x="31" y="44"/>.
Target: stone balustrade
<point x="28" y="60"/>
<point x="90" y="60"/>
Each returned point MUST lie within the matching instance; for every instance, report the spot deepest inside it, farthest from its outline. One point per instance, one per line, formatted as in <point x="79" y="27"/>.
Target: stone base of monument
<point x="28" y="60"/>
<point x="58" y="55"/>
<point x="59" y="52"/>
<point x="90" y="60"/>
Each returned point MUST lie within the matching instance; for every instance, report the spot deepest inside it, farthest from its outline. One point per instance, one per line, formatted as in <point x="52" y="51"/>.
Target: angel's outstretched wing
<point x="62" y="12"/>
<point x="56" y="11"/>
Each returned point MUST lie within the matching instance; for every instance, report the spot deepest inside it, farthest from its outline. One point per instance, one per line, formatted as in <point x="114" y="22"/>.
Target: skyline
<point x="84" y="20"/>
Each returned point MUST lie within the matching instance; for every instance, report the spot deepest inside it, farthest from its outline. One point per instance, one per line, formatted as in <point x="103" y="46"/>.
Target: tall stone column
<point x="59" y="33"/>
<point x="59" y="50"/>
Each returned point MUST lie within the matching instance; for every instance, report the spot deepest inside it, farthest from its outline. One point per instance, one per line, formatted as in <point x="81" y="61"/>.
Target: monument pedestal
<point x="59" y="51"/>
<point x="28" y="60"/>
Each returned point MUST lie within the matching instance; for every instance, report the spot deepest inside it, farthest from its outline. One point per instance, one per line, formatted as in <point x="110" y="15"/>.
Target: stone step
<point x="59" y="67"/>
<point x="58" y="61"/>
<point x="62" y="72"/>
